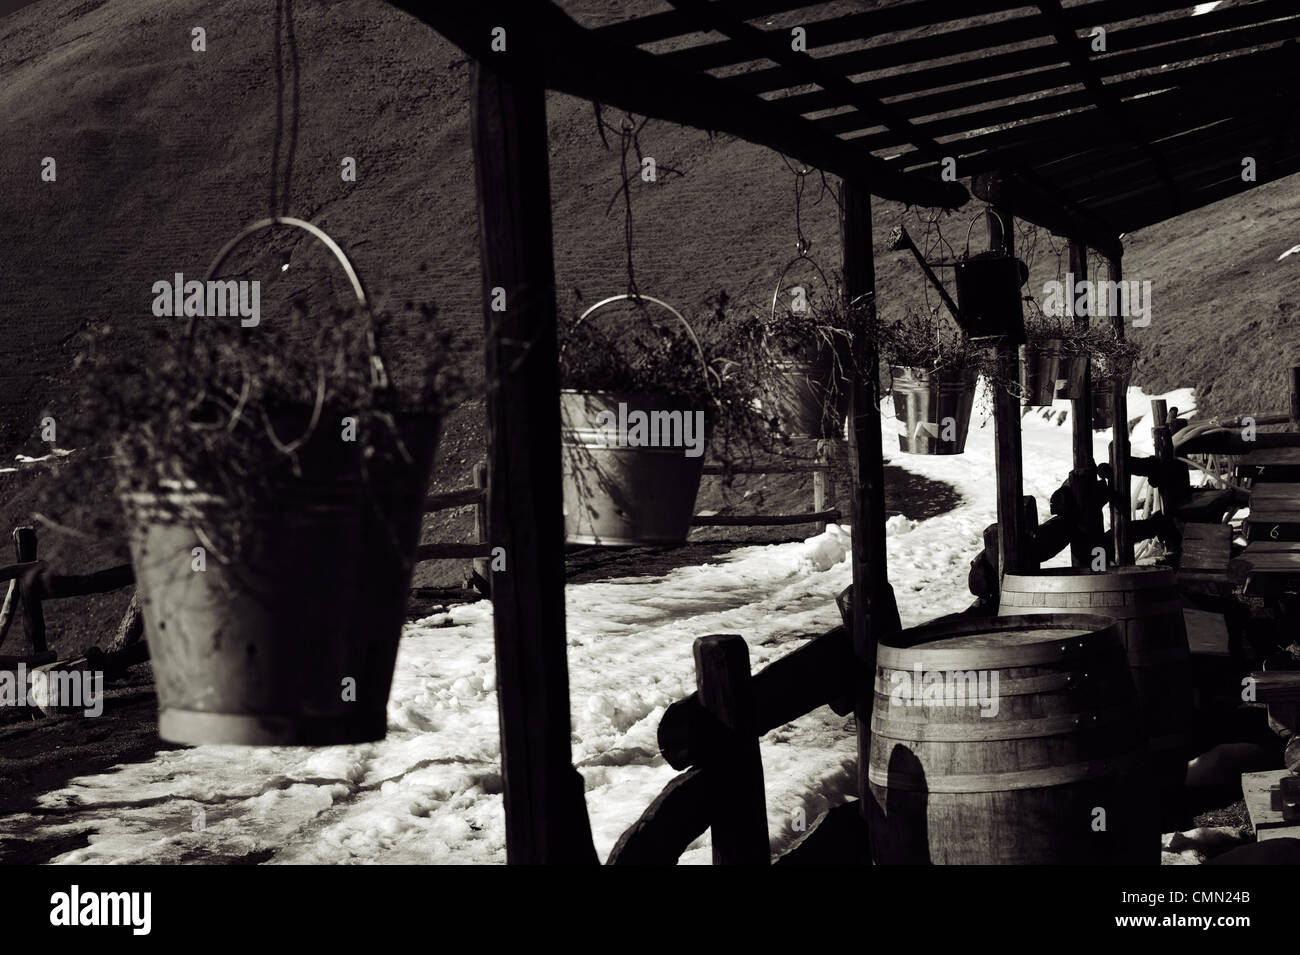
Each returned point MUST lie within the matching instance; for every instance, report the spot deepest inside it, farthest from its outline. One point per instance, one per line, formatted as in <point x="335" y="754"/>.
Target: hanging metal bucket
<point x="290" y="637"/>
<point x="809" y="399"/>
<point x="808" y="396"/>
<point x="1048" y="372"/>
<point x="1103" y="402"/>
<point x="988" y="294"/>
<point x="624" y="495"/>
<point x="933" y="409"/>
<point x="631" y="462"/>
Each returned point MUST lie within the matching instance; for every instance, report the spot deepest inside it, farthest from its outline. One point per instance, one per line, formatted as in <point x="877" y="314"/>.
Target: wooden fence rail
<point x="715" y="731"/>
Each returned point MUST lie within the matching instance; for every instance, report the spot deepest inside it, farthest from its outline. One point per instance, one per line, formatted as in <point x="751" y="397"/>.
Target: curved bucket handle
<point x="378" y="374"/>
<point x="803" y="256"/>
<point x="628" y="296"/>
<point x="969" y="228"/>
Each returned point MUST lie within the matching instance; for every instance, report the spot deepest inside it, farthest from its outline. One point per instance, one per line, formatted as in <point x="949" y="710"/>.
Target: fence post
<point x="482" y="580"/>
<point x="824" y="479"/>
<point x="29" y="591"/>
<point x="738" y="810"/>
<point x="1163" y="449"/>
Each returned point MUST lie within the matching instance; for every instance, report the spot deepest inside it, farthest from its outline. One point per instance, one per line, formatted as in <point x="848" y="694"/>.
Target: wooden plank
<point x="1206" y="547"/>
<point x="931" y="91"/>
<point x="816" y="674"/>
<point x="674" y="819"/>
<point x="1270" y="493"/>
<point x="1006" y="433"/>
<point x="457" y="498"/>
<point x="757" y="44"/>
<point x="1277" y="686"/>
<point x="765" y="520"/>
<point x="546" y="816"/>
<point x="569" y="59"/>
<point x="738" y="811"/>
<point x="452" y="551"/>
<point x="1268" y="822"/>
<point x="875" y="614"/>
<point x="1120" y="506"/>
<point x="51" y="586"/>
<point x="1207" y="633"/>
<point x="962" y="40"/>
<point x="1081" y="416"/>
<point x="1024" y="72"/>
<point x="28" y="593"/>
<point x="1271" y="457"/>
<point x="774" y="468"/>
<point x="11" y="662"/>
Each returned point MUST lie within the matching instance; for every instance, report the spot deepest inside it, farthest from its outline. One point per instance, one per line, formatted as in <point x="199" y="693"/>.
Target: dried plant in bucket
<point x="933" y="372"/>
<point x="273" y="481"/>
<point x="802" y="348"/>
<point x="642" y="398"/>
<point x="1113" y="358"/>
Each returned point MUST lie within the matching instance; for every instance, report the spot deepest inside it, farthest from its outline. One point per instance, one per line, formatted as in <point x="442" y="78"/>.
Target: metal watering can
<point x="988" y="292"/>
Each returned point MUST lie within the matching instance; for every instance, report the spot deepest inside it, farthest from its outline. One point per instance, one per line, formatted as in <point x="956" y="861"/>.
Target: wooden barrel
<point x="1054" y="772"/>
<point x="1146" y="603"/>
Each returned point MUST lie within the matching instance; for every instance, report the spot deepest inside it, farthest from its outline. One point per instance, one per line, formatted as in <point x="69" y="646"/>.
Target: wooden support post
<point x="1121" y="501"/>
<point x="1006" y="435"/>
<point x="1083" y="477"/>
<point x="28" y="591"/>
<point x="875" y="614"/>
<point x="1162" y="442"/>
<point x="824" y="478"/>
<point x="482" y="566"/>
<point x="738" y="810"/>
<point x="1295" y="398"/>
<point x="1029" y="526"/>
<point x="546" y="816"/>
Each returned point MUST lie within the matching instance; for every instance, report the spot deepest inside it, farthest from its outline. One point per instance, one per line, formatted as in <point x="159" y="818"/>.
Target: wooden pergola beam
<point x="1024" y="200"/>
<point x="569" y="59"/>
<point x="778" y="49"/>
<point x="1106" y="98"/>
<point x="930" y="90"/>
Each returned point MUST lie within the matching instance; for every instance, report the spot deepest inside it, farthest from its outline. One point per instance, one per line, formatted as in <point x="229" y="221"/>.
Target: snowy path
<point x="431" y="792"/>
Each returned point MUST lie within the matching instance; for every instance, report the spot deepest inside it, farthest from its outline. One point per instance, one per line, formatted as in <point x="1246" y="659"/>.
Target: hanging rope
<point x="278" y="202"/>
<point x="629" y="133"/>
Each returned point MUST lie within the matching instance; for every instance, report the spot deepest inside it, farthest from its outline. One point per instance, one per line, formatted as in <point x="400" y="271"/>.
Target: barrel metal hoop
<point x="923" y="730"/>
<point x="1045" y="778"/>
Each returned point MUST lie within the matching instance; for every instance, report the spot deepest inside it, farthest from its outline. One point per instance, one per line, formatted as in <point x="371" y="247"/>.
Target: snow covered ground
<point x="431" y="792"/>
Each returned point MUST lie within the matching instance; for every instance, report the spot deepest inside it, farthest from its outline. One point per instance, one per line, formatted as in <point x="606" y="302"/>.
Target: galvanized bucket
<point x="808" y="396"/>
<point x="809" y="399"/>
<point x="933" y="408"/>
<point x="1048" y="372"/>
<point x="1103" y="402"/>
<point x="619" y="494"/>
<point x="630" y="474"/>
<point x="289" y="636"/>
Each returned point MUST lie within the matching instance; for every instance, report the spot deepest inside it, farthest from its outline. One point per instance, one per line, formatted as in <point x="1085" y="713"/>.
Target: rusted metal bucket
<point x="933" y="408"/>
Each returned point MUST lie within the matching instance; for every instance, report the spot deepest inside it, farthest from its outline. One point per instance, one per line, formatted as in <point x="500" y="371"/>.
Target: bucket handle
<point x="378" y="374"/>
<point x="803" y="256"/>
<point x="629" y="296"/>
<point x="969" y="228"/>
